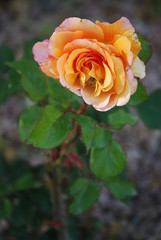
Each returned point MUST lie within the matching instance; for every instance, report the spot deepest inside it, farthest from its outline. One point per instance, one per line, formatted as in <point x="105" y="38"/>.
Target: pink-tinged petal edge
<point x="133" y="83"/>
<point x="40" y="51"/>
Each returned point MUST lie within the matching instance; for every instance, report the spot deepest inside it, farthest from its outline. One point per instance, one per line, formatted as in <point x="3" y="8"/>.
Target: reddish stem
<point x="54" y="154"/>
<point x="83" y="108"/>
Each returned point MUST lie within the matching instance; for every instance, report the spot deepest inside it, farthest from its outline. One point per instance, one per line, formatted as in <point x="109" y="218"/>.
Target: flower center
<point x="91" y="82"/>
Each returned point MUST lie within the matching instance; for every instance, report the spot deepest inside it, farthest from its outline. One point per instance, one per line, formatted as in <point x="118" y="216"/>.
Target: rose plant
<point x="89" y="78"/>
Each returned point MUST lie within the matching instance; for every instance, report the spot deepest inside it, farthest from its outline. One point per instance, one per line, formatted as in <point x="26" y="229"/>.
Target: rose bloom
<point x="97" y="61"/>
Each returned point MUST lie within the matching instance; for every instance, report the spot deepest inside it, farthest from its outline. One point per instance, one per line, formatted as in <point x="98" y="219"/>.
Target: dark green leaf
<point x="28" y="122"/>
<point x="14" y="84"/>
<point x="61" y="95"/>
<point x="108" y="161"/>
<point x="17" y="169"/>
<point x="6" y="54"/>
<point x="101" y="137"/>
<point x="87" y="127"/>
<point x="45" y="129"/>
<point x="41" y="197"/>
<point x="52" y="128"/>
<point x="5" y="188"/>
<point x="139" y="97"/>
<point x="3" y="167"/>
<point x="33" y="80"/>
<point x="146" y="51"/>
<point x="23" y="212"/>
<point x="5" y="208"/>
<point x="121" y="190"/>
<point x="9" y="86"/>
<point x="85" y="193"/>
<point x="150" y="110"/>
<point x="25" y="182"/>
<point x="120" y="118"/>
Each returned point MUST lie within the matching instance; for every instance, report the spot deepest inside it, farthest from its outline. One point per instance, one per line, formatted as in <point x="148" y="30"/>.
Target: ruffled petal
<point x="90" y="29"/>
<point x="40" y="51"/>
<point x="138" y="68"/>
<point x="133" y="83"/>
<point x="59" y="39"/>
<point x="119" y="82"/>
<point x="45" y="69"/>
<point x="119" y="27"/>
<point x="124" y="97"/>
<point x="88" y="96"/>
<point x="123" y="44"/>
<point x="110" y="104"/>
<point x="61" y="69"/>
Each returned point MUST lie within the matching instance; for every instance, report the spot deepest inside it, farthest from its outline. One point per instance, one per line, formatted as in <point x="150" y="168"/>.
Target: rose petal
<point x="90" y="29"/>
<point x="61" y="69"/>
<point x="111" y="104"/>
<point x="119" y="82"/>
<point x="40" y="51"/>
<point x="99" y="101"/>
<point x="133" y="83"/>
<point x="123" y="44"/>
<point x="138" y="68"/>
<point x="59" y="39"/>
<point x="45" y="69"/>
<point x="112" y="29"/>
<point x="124" y="97"/>
<point x="108" y="81"/>
<point x="84" y="43"/>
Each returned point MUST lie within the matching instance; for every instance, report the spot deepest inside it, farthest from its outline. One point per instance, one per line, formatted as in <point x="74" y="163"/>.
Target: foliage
<point x="150" y="110"/>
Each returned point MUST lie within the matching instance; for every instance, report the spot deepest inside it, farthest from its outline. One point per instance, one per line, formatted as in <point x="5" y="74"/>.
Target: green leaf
<point x="121" y="190"/>
<point x="6" y="54"/>
<point x="87" y="127"/>
<point x="3" y="167"/>
<point x="52" y="128"/>
<point x="28" y="122"/>
<point x="120" y="118"/>
<point x="101" y="138"/>
<point x="108" y="161"/>
<point x="13" y="83"/>
<point x="25" y="182"/>
<point x="139" y="97"/>
<point x="9" y="86"/>
<point x="150" y="110"/>
<point x="5" y="209"/>
<point x="41" y="197"/>
<point x="60" y="94"/>
<point x="24" y="211"/>
<point x="17" y="169"/>
<point x="33" y="80"/>
<point x="85" y="193"/>
<point x="5" y="188"/>
<point x="45" y="128"/>
<point x="146" y="51"/>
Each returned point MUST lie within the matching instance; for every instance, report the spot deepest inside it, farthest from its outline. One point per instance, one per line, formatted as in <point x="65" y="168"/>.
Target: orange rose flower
<point x="97" y="61"/>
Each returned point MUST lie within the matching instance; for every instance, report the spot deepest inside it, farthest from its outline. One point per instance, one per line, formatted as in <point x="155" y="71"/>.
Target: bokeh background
<point x="21" y="20"/>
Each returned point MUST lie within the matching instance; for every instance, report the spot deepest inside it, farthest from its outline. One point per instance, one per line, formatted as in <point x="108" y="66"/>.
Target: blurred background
<point x="22" y="20"/>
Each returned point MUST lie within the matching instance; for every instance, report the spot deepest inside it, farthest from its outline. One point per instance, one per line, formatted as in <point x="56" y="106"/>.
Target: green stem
<point x="58" y="202"/>
<point x="54" y="175"/>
